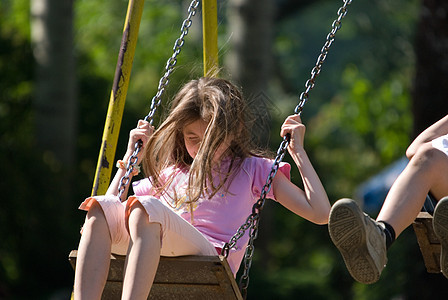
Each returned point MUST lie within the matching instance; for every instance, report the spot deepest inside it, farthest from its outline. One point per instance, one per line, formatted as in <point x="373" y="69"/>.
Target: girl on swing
<point x="363" y="242"/>
<point x="203" y="176"/>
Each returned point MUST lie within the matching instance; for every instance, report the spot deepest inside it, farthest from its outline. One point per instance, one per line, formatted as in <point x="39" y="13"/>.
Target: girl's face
<point x="193" y="135"/>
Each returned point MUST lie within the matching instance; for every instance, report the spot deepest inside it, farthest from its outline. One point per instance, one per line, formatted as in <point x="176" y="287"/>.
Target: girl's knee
<point x="137" y="215"/>
<point x="95" y="221"/>
<point x="429" y="157"/>
<point x="138" y="219"/>
<point x="95" y="213"/>
<point x="137" y="211"/>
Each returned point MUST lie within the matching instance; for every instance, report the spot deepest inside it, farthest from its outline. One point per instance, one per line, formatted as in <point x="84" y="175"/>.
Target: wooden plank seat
<point x="185" y="277"/>
<point x="427" y="241"/>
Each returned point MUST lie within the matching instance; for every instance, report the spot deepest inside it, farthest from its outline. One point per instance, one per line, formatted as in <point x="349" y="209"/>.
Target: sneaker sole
<point x="440" y="225"/>
<point x="346" y="228"/>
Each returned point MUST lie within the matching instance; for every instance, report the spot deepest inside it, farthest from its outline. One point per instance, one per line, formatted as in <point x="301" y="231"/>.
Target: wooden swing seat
<point x="185" y="277"/>
<point x="427" y="241"/>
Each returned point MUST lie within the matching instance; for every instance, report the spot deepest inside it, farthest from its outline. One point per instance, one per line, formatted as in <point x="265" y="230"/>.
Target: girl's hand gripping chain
<point x="296" y="130"/>
<point x="142" y="133"/>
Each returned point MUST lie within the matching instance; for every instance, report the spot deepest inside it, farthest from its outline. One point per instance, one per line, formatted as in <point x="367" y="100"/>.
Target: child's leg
<point x="143" y="256"/>
<point x="361" y="240"/>
<point x="426" y="171"/>
<point x="148" y="217"/>
<point x="94" y="249"/>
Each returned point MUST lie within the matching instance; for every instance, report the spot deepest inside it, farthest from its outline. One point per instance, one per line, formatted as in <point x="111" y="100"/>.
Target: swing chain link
<point x="254" y="218"/>
<point x="157" y="99"/>
<point x="132" y="162"/>
<point x="172" y="61"/>
<point x="309" y="84"/>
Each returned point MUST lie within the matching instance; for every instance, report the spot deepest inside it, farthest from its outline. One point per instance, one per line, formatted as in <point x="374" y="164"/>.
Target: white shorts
<point x="178" y="237"/>
<point x="441" y="143"/>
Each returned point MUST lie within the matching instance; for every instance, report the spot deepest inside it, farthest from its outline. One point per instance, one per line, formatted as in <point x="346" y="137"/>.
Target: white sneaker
<point x="360" y="239"/>
<point x="440" y="225"/>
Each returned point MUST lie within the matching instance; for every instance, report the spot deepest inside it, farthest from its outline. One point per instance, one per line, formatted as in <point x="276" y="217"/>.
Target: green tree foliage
<point x="368" y="127"/>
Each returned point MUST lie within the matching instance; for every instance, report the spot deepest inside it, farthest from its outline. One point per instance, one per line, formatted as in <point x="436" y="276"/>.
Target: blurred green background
<point x="384" y="81"/>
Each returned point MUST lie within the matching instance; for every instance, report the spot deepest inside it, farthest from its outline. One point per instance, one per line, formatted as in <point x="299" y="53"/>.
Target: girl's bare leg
<point x="362" y="241"/>
<point x="93" y="259"/>
<point x="425" y="172"/>
<point x="143" y="255"/>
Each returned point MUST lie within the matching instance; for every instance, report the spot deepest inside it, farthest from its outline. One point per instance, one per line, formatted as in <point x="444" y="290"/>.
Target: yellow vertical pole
<point x="118" y="97"/>
<point x="210" y="36"/>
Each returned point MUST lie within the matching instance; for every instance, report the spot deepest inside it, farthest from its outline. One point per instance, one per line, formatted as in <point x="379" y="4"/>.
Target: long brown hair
<point x="220" y="104"/>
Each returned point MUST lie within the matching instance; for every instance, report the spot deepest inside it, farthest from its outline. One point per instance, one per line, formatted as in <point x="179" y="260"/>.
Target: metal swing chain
<point x="254" y="218"/>
<point x="309" y="84"/>
<point x="157" y="99"/>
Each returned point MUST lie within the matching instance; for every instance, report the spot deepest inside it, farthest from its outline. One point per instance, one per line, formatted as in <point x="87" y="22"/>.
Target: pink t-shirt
<point x="219" y="217"/>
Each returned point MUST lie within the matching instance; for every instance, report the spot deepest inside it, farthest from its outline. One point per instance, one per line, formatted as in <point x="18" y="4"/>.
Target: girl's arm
<point x="142" y="132"/>
<point x="312" y="202"/>
<point x="434" y="131"/>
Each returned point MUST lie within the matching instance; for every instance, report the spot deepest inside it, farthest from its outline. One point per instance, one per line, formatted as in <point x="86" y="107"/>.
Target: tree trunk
<point x="55" y="98"/>
<point x="429" y="104"/>
<point x="249" y="59"/>
<point x="430" y="96"/>
<point x="249" y="64"/>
